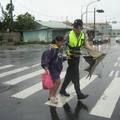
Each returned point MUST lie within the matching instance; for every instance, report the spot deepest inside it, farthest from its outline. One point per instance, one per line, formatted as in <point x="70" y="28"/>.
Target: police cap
<point x="78" y="23"/>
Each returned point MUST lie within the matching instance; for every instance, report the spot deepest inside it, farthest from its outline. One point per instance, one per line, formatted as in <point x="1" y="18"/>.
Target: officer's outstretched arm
<point x="92" y="51"/>
<point x="94" y="59"/>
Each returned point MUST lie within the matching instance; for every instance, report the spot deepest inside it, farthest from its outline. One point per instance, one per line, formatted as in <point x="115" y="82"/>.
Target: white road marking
<point x="5" y="66"/>
<point x="62" y="100"/>
<point x="118" y="58"/>
<point x="117" y="74"/>
<point x="107" y="102"/>
<point x="111" y="73"/>
<point x="35" y="65"/>
<point x="24" y="77"/>
<point x="115" y="65"/>
<point x="106" y="46"/>
<point x="31" y="90"/>
<point x="13" y="71"/>
<point x="99" y="47"/>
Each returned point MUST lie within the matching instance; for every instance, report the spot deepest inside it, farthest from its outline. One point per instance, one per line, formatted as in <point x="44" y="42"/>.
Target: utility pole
<point x="1" y="8"/>
<point x="94" y="21"/>
<point x="66" y="20"/>
<point x="1" y="18"/>
<point x="106" y="27"/>
<point x="11" y="13"/>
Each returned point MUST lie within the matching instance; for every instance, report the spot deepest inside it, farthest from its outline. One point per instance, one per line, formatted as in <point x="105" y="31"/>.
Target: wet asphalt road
<point x="33" y="107"/>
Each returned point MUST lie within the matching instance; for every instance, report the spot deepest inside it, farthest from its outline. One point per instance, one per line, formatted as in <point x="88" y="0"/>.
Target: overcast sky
<point x="70" y="9"/>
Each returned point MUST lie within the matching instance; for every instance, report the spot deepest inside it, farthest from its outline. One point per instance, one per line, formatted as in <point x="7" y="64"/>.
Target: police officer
<point x="76" y="38"/>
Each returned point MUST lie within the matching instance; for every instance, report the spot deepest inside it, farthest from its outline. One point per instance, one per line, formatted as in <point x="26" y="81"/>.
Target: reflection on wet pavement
<point x="54" y="114"/>
<point x="21" y="55"/>
<point x="75" y="114"/>
<point x="69" y="114"/>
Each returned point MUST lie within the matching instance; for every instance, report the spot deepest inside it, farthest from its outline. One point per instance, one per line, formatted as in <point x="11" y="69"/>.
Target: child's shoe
<point x="54" y="100"/>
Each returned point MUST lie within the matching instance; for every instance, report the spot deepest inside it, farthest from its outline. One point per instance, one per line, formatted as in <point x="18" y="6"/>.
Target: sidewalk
<point x="21" y="47"/>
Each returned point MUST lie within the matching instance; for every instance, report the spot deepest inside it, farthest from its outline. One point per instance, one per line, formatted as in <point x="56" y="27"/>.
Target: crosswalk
<point x="108" y="98"/>
<point x="62" y="100"/>
<point x="13" y="71"/>
<point x="5" y="66"/>
<point x="31" y="90"/>
<point x="24" y="77"/>
<point x="107" y="102"/>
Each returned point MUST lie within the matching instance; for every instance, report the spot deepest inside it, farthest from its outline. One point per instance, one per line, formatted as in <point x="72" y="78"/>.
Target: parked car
<point x="106" y="39"/>
<point x="97" y="40"/>
<point x="117" y="39"/>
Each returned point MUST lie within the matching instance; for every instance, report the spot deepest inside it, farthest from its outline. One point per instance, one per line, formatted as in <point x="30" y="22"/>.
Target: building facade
<point x="46" y="31"/>
<point x="115" y="32"/>
<point x="101" y="28"/>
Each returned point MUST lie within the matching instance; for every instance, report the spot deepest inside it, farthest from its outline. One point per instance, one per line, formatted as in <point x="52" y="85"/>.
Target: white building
<point x="101" y="28"/>
<point x="115" y="32"/>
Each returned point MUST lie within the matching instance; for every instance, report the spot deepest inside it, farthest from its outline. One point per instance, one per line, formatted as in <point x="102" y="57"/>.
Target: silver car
<point x="97" y="40"/>
<point x="117" y="39"/>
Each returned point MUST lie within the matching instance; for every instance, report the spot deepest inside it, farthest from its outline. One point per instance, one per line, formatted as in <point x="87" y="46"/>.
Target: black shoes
<point x="64" y="93"/>
<point x="87" y="69"/>
<point x="82" y="96"/>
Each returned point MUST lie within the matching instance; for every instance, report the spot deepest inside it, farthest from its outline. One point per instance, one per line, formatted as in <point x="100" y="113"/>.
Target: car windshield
<point x="97" y="36"/>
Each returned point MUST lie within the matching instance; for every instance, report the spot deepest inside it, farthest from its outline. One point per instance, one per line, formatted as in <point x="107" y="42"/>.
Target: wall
<point x="10" y="37"/>
<point x="42" y="35"/>
<point x="115" y="32"/>
<point x="59" y="32"/>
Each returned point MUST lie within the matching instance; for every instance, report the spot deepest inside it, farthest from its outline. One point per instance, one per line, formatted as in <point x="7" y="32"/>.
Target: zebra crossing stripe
<point x="107" y="102"/>
<point x="62" y="100"/>
<point x="115" y="65"/>
<point x="6" y="66"/>
<point x="32" y="90"/>
<point x="117" y="74"/>
<point x="24" y="77"/>
<point x="111" y="73"/>
<point x="118" y="58"/>
<point x="35" y="65"/>
<point x="29" y="91"/>
<point x="13" y="71"/>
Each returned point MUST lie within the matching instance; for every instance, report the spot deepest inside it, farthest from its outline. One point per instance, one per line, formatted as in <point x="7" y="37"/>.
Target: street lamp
<point x="84" y="14"/>
<point x="87" y="9"/>
<point x="98" y="11"/>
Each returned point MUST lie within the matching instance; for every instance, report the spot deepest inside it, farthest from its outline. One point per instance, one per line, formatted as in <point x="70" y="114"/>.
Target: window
<point x="113" y="33"/>
<point x="118" y="33"/>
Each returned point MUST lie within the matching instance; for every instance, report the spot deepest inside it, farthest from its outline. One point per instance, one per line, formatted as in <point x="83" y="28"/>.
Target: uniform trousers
<point x="72" y="74"/>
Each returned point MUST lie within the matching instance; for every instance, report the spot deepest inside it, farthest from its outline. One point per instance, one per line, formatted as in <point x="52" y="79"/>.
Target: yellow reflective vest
<point x="73" y="41"/>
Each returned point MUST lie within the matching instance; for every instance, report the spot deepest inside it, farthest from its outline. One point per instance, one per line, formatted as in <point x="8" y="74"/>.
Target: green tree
<point x="7" y="22"/>
<point x="25" y="22"/>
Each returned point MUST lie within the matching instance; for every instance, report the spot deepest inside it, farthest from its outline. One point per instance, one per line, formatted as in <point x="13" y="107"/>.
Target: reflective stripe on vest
<point x="73" y="40"/>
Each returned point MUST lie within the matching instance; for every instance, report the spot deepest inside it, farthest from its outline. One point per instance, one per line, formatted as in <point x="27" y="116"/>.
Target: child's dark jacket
<point x="53" y="60"/>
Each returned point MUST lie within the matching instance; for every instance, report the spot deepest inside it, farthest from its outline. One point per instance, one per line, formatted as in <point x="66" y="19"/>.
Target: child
<point x="53" y="64"/>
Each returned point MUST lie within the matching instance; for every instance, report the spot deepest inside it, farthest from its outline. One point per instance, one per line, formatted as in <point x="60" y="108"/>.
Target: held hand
<point x="46" y="70"/>
<point x="68" y="57"/>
